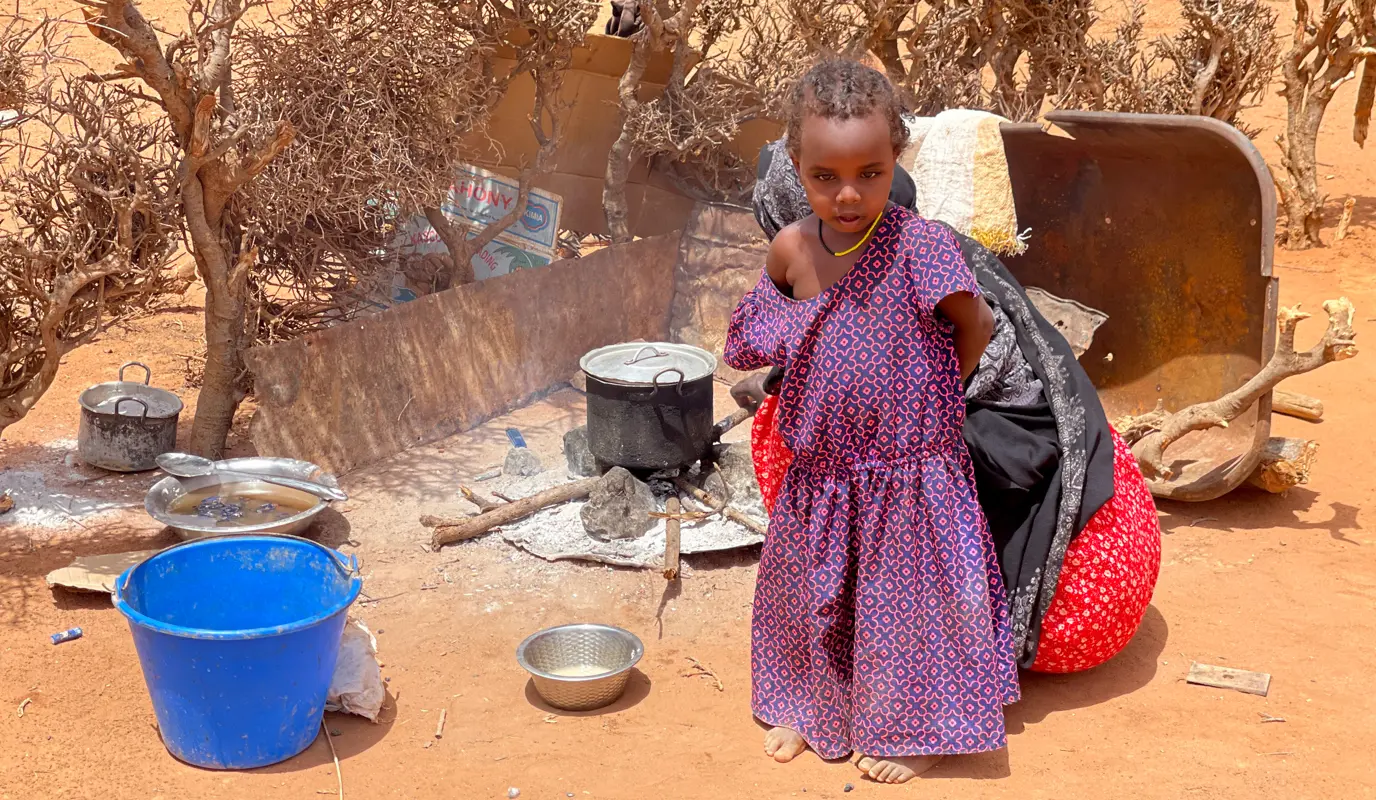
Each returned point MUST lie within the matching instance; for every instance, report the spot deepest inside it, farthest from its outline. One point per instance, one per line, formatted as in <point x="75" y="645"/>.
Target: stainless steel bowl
<point x="580" y="667"/>
<point x="168" y="489"/>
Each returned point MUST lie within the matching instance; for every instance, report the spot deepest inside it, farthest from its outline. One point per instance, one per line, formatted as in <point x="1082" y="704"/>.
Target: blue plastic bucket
<point x="238" y="638"/>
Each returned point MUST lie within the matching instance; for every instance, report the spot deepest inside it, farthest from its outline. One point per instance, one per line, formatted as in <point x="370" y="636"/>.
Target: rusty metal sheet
<point x="1167" y="225"/>
<point x="720" y="258"/>
<point x="425" y="370"/>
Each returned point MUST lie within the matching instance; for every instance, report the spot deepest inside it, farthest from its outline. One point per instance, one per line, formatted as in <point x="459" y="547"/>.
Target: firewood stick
<point x="1346" y="219"/>
<point x="1285" y="463"/>
<point x="711" y="502"/>
<point x="673" y="529"/>
<point x="449" y="530"/>
<point x="1294" y="404"/>
<point x="484" y="505"/>
<point x="727" y="423"/>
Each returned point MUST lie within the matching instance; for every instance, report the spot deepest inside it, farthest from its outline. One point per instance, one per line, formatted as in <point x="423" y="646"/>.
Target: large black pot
<point x="649" y="405"/>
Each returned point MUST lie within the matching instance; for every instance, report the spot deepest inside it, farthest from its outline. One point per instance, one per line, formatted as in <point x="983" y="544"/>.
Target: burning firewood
<point x="1152" y="433"/>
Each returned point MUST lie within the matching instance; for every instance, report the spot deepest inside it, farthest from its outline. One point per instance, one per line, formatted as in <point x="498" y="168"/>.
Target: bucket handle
<point x="127" y="399"/>
<point x="347" y="565"/>
<point x="147" y="373"/>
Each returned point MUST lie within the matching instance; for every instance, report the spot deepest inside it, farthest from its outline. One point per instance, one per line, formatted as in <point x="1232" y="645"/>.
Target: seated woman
<point x="1075" y="525"/>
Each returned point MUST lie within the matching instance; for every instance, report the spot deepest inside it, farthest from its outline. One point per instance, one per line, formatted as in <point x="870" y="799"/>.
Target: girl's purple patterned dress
<point x="881" y="623"/>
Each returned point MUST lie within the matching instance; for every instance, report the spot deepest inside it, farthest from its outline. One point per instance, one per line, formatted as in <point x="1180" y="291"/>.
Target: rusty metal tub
<point x="1167" y="224"/>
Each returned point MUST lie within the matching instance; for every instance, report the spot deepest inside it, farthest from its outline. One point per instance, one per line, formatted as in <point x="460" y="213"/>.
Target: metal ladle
<point x="185" y="465"/>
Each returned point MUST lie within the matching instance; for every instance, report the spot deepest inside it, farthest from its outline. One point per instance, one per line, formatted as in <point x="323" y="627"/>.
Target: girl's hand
<point x="974" y="327"/>
<point x="749" y="393"/>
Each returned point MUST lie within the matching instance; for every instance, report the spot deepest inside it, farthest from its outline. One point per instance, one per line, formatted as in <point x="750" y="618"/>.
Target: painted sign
<point x="477" y="198"/>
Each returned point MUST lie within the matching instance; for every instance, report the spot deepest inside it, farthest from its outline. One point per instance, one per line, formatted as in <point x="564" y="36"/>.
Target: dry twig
<point x="338" y="773"/>
<point x="700" y="670"/>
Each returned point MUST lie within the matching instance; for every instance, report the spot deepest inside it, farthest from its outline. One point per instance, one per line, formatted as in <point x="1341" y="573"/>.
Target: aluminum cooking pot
<point x="125" y="425"/>
<point x="649" y="405"/>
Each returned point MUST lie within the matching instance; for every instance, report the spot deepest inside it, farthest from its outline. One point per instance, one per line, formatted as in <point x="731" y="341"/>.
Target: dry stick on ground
<point x="1299" y="406"/>
<point x="1345" y="220"/>
<point x="712" y="503"/>
<point x="672" y="530"/>
<point x="449" y="530"/>
<point x="1151" y="434"/>
<point x="439" y="727"/>
<point x="701" y="670"/>
<point x="338" y="773"/>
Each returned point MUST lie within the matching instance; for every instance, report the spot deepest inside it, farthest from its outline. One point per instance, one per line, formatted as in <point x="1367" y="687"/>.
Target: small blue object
<point x="238" y="638"/>
<point x="517" y="440"/>
<point x="66" y="636"/>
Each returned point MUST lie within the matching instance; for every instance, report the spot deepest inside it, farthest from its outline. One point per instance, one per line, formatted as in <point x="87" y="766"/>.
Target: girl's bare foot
<point x="783" y="744"/>
<point x="895" y="770"/>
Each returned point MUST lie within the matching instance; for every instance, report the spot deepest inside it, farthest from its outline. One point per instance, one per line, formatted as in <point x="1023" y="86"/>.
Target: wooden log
<point x="1294" y="404"/>
<point x="673" y="529"/>
<point x="449" y="530"/>
<point x="730" y="513"/>
<point x="1285" y="463"/>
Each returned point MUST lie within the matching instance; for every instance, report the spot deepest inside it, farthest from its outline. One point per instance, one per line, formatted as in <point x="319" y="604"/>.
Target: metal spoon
<point x="185" y="465"/>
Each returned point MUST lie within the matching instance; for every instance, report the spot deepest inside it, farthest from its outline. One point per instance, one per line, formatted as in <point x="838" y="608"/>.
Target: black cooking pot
<point x="649" y="405"/>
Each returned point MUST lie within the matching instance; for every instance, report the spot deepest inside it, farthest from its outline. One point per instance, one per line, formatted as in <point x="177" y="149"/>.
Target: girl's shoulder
<point x="916" y="230"/>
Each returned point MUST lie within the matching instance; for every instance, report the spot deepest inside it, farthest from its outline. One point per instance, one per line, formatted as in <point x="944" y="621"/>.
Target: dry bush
<point x="17" y="61"/>
<point x="1218" y="64"/>
<point x="732" y="62"/>
<point x="87" y="193"/>
<point x="388" y="98"/>
<point x="712" y="91"/>
<point x="1017" y="57"/>
<point x="382" y="96"/>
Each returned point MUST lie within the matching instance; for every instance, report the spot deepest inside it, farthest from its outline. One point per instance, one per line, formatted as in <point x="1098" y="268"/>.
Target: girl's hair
<point x="839" y="88"/>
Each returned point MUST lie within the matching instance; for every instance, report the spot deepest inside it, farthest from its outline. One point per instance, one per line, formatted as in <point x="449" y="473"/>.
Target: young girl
<point x="880" y="625"/>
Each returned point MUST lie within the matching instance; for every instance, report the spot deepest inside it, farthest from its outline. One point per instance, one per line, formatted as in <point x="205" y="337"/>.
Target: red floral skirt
<point x="1109" y="572"/>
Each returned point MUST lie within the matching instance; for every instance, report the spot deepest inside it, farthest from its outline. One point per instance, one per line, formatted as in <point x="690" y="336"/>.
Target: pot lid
<point x="637" y="363"/>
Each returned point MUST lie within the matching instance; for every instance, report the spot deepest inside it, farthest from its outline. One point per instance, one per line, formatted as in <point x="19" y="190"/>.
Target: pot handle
<point x="147" y="373"/>
<point x="345" y="564"/>
<point x="119" y="401"/>
<point x="640" y="354"/>
<point x="655" y="384"/>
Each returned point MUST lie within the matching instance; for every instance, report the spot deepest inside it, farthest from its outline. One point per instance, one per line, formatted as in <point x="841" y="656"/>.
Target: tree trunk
<point x="622" y="153"/>
<point x="1303" y="202"/>
<point x="222" y="389"/>
<point x="226" y="279"/>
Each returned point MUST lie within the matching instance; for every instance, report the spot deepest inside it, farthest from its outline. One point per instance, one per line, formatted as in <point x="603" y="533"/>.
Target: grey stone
<point x="576" y="453"/>
<point x="619" y="507"/>
<point x="522" y="462"/>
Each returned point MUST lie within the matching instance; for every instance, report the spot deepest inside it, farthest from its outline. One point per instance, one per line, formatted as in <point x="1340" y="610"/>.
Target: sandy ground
<point x="1281" y="584"/>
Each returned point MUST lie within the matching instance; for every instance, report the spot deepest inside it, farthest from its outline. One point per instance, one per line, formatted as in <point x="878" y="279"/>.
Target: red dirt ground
<point x="1281" y="584"/>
